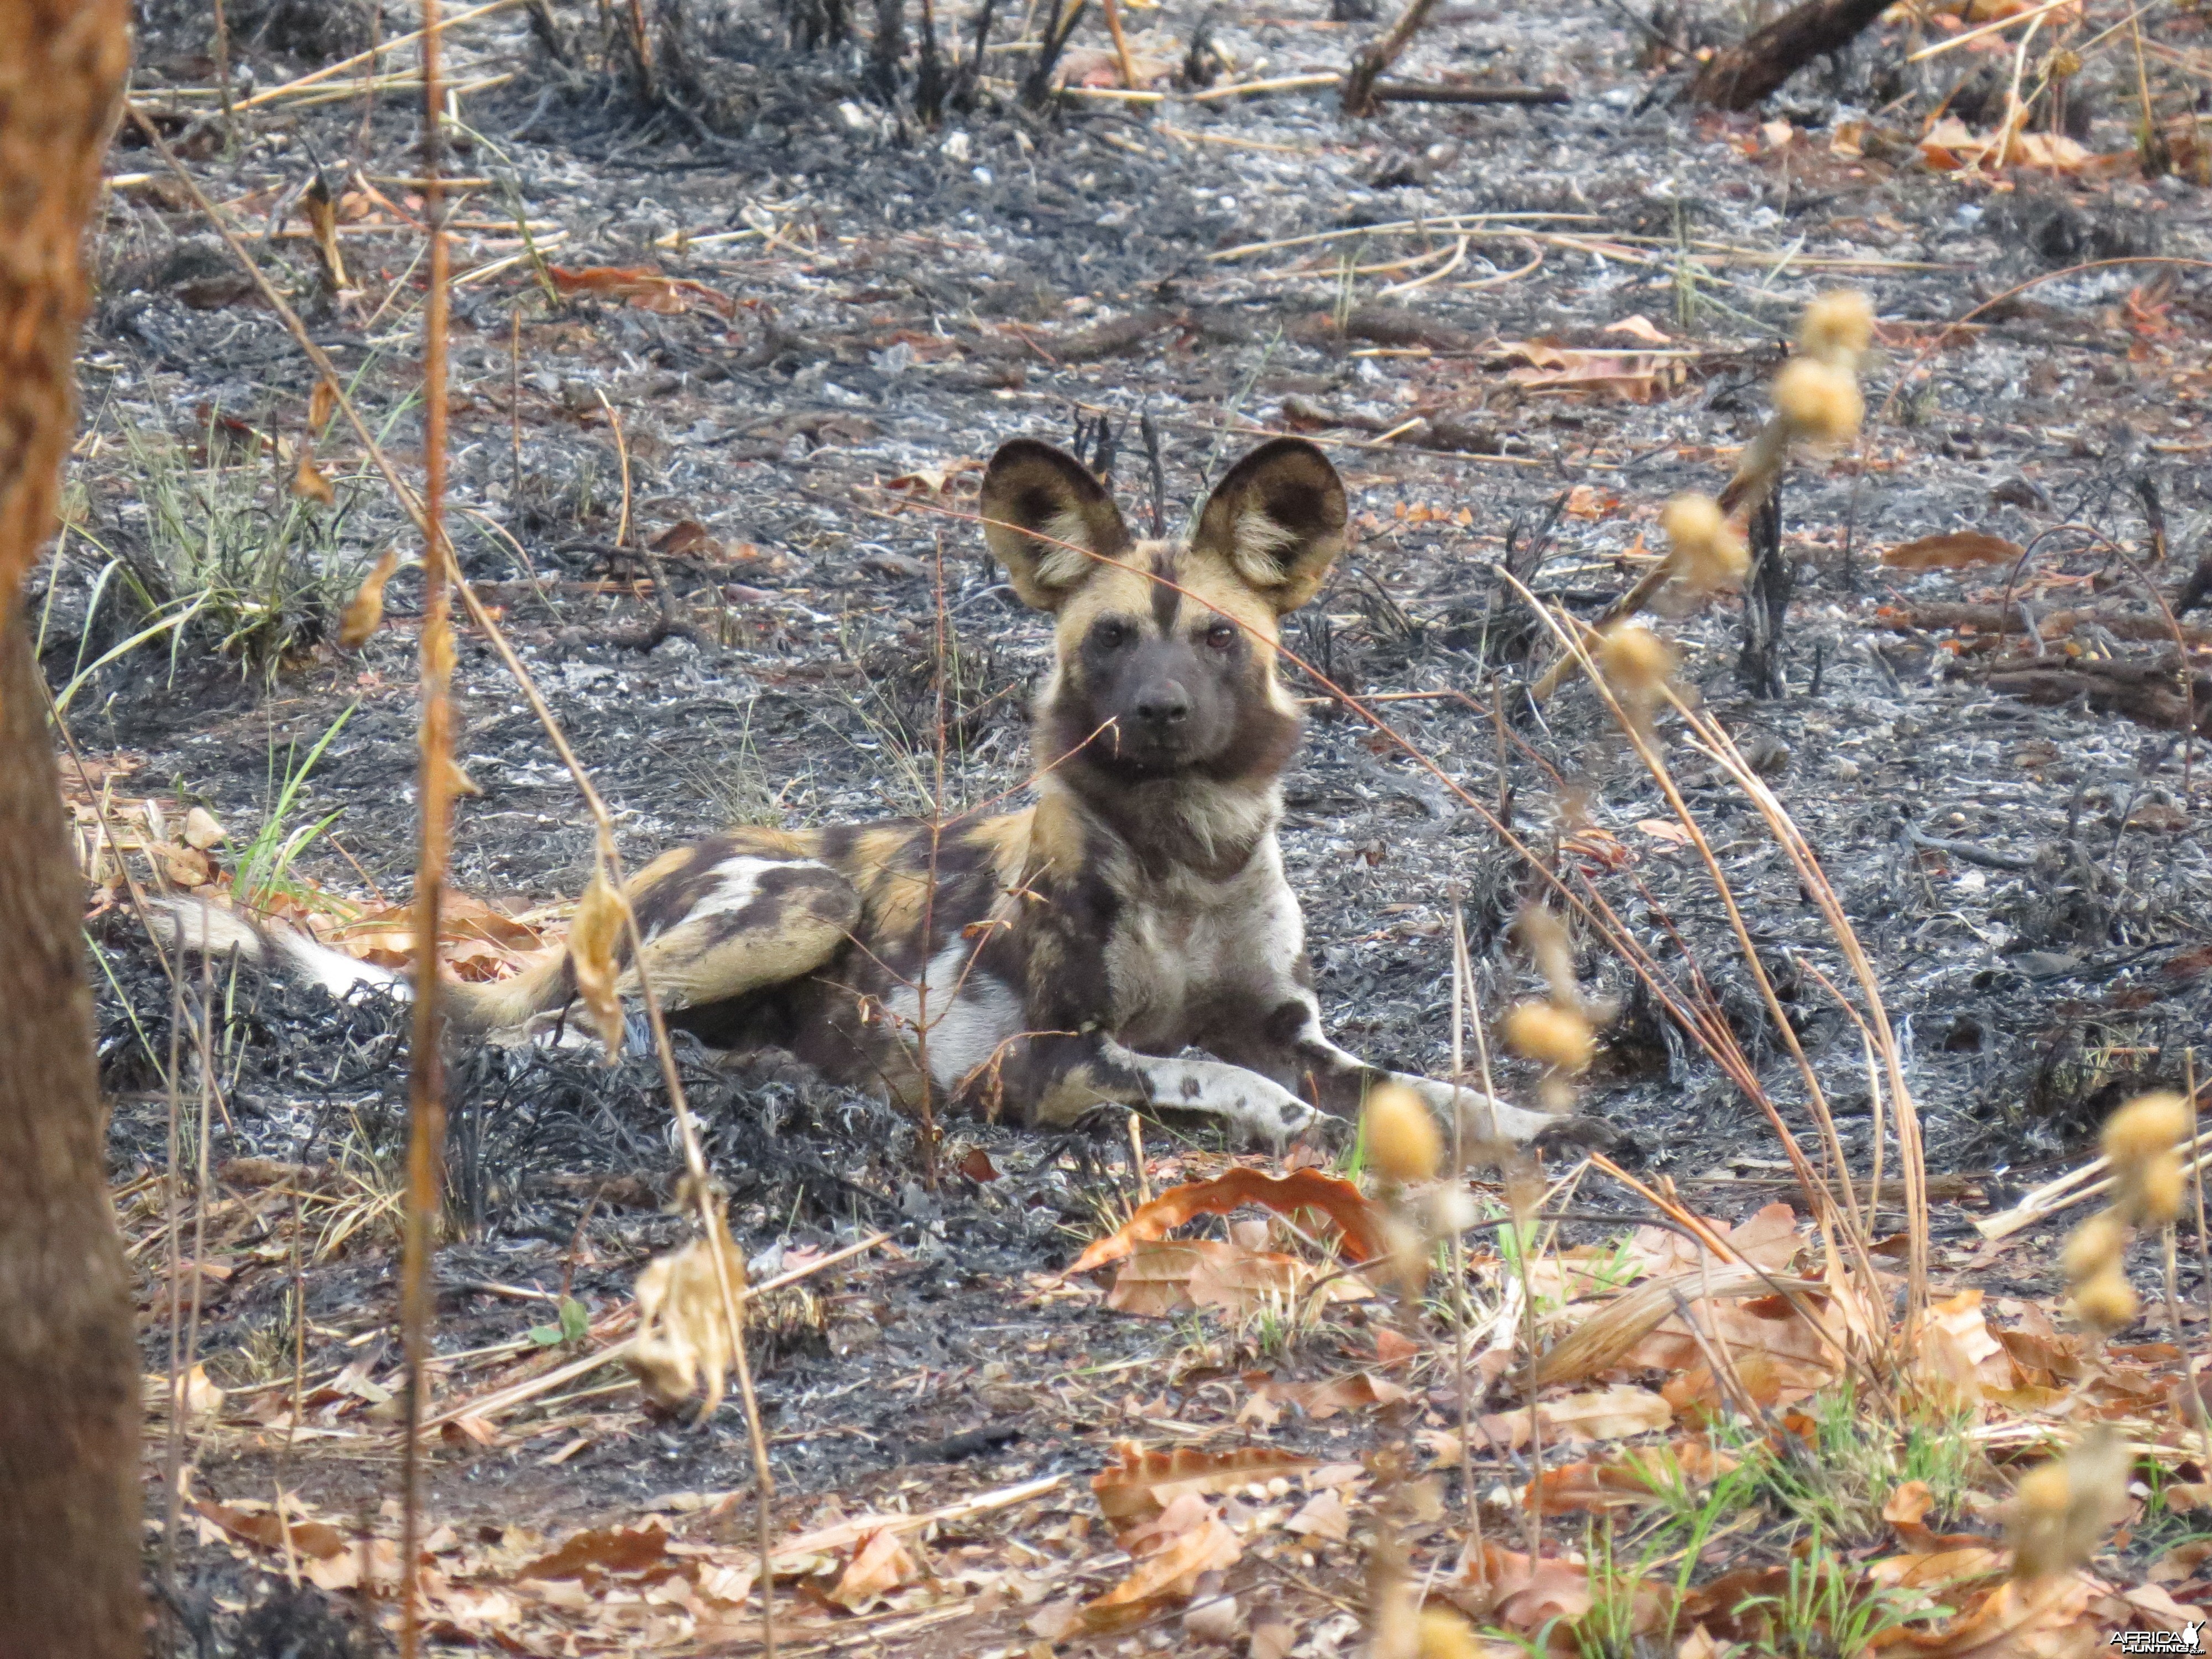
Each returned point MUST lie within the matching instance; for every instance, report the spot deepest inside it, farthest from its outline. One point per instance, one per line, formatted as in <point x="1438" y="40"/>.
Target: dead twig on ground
<point x="1359" y="97"/>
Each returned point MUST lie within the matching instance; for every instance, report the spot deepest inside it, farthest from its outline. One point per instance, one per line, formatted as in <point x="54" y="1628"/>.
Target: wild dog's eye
<point x="1221" y="635"/>
<point x="1110" y="635"/>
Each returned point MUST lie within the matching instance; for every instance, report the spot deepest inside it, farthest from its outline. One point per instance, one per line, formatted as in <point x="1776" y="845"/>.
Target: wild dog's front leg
<point x="1289" y="1045"/>
<point x="1065" y="1078"/>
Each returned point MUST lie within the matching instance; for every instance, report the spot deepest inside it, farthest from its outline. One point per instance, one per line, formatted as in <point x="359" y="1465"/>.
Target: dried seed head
<point x="684" y="1336"/>
<point x="2107" y="1300"/>
<point x="1709" y="552"/>
<point x="594" y="938"/>
<point x="2146" y="1126"/>
<point x="1557" y="1037"/>
<point x="1836" y="326"/>
<point x="1545" y="937"/>
<point x="1636" y="660"/>
<point x="1819" y="400"/>
<point x="364" y="611"/>
<point x="1407" y="1252"/>
<point x="2061" y="1510"/>
<point x="1403" y="1139"/>
<point x="1446" y="1635"/>
<point x="2095" y="1247"/>
<point x="2063" y="64"/>
<point x="2154" y="1195"/>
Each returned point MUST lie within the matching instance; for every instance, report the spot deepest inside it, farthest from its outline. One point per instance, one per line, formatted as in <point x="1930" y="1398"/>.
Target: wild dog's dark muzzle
<point x="1162" y="706"/>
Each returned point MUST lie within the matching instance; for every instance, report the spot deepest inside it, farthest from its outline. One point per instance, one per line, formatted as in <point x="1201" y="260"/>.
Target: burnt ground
<point x="902" y="295"/>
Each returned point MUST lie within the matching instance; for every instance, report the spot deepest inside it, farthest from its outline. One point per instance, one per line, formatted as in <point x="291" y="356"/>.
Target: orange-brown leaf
<point x="309" y="481"/>
<point x="1301" y="1194"/>
<point x="641" y="285"/>
<point x="1161" y="1278"/>
<point x="1956" y="549"/>
<point x="606" y="1549"/>
<point x="364" y="611"/>
<point x="879" y="1567"/>
<point x="1144" y="1482"/>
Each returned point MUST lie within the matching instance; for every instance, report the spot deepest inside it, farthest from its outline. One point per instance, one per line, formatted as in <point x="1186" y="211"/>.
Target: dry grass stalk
<point x="426" y="1074"/>
<point x="602" y="820"/>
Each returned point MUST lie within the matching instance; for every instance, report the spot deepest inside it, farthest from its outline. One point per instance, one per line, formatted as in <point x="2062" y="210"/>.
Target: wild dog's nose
<point x="1164" y="703"/>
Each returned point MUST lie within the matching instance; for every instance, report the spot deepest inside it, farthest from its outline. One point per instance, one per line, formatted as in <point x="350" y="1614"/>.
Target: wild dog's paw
<point x="1265" y="1112"/>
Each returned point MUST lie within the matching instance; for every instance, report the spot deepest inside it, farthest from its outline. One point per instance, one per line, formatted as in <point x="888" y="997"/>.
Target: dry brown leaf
<point x="684" y="1335"/>
<point x="323" y="222"/>
<point x="641" y="285"/>
<point x="186" y="866"/>
<point x="1635" y="377"/>
<point x="1512" y="1591"/>
<point x="1907" y="1505"/>
<point x="1637" y="326"/>
<point x="378" y="1562"/>
<point x="1159" y="1278"/>
<point x="687" y="537"/>
<point x="1323" y="1515"/>
<point x="203" y="830"/>
<point x="311" y="1538"/>
<point x="1322" y="1400"/>
<point x="365" y="609"/>
<point x="1144" y="1483"/>
<point x="1954" y="550"/>
<point x="1636" y="1477"/>
<point x="1166" y="1576"/>
<point x="322" y="403"/>
<point x="1611" y="1413"/>
<point x="879" y="1567"/>
<point x="1306" y="1194"/>
<point x="1933" y="1568"/>
<point x="2018" y="1619"/>
<point x="308" y="483"/>
<point x="1956" y="1358"/>
<point x="594" y="954"/>
<point x="601" y="1550"/>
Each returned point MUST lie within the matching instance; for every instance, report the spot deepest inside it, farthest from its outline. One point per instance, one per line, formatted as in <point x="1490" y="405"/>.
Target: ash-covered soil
<point x="886" y="299"/>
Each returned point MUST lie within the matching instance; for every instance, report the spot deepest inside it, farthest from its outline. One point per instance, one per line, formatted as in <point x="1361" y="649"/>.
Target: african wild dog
<point x="1075" y="949"/>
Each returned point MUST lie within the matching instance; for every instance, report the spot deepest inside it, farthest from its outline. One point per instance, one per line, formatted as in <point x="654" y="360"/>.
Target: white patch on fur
<point x="970" y="1014"/>
<point x="1263" y="1110"/>
<point x="1063" y="567"/>
<point x="736" y="884"/>
<point x="1256" y="544"/>
<point x="1486" y="1117"/>
<point x="204" y="929"/>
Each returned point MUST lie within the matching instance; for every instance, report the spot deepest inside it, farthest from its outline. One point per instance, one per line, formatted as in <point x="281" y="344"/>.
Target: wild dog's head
<point x="1166" y="649"/>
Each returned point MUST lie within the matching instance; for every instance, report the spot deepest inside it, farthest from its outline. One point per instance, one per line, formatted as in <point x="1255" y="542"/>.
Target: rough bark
<point x="69" y="1367"/>
<point x="1740" y="76"/>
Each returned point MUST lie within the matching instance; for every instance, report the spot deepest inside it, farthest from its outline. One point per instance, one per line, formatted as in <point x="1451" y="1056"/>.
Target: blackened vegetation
<point x="1765" y="601"/>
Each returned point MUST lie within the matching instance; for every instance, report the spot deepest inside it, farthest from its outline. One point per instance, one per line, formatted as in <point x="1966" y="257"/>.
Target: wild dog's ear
<point x="1277" y="517"/>
<point x="1032" y="490"/>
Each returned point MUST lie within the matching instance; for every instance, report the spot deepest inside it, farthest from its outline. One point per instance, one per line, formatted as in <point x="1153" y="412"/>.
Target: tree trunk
<point x="1740" y="76"/>
<point x="68" y="1366"/>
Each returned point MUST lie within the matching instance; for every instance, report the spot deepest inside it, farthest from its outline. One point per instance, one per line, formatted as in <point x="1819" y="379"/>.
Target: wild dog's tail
<point x="203" y="929"/>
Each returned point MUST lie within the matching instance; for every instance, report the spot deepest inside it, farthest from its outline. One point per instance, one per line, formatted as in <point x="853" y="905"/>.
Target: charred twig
<point x="1430" y="92"/>
<point x="2011" y="619"/>
<point x="1367" y="68"/>
<point x="1149" y="430"/>
<point x="1765" y="602"/>
<point x="1742" y="76"/>
<point x="1966" y="852"/>
<point x="1037" y="86"/>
